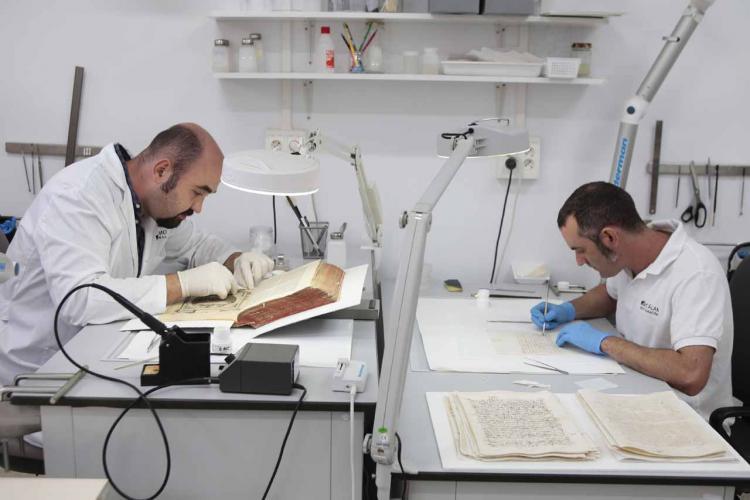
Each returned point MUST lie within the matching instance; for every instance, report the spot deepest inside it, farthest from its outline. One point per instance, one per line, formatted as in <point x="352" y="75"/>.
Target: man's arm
<point x="686" y="369"/>
<point x="174" y="289"/>
<point x="229" y="263"/>
<point x="596" y="303"/>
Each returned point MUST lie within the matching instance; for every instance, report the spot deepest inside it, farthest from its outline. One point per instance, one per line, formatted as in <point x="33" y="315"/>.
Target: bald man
<point x="114" y="220"/>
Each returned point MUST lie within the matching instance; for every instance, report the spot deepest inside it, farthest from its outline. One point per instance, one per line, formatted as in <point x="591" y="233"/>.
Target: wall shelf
<point x="582" y="21"/>
<point x="407" y="78"/>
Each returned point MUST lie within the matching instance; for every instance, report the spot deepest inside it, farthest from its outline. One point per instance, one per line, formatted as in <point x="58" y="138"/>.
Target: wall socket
<point x="528" y="162"/>
<point x="285" y="141"/>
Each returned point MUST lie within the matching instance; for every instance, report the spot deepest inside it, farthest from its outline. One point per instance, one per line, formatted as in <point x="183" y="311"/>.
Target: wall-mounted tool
<point x="655" y="167"/>
<point x="696" y="212"/>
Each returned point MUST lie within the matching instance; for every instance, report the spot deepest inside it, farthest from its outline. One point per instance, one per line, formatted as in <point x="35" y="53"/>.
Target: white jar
<point x="374" y="59"/>
<point x="430" y="61"/>
<point x="411" y="62"/>
<point x="220" y="59"/>
<point x="248" y="61"/>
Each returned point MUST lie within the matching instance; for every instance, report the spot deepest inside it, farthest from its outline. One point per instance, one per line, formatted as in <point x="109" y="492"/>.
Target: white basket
<point x="562" y="67"/>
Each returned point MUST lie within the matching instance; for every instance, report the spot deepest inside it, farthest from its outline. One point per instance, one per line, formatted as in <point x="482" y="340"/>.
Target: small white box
<point x="530" y="273"/>
<point x="593" y="8"/>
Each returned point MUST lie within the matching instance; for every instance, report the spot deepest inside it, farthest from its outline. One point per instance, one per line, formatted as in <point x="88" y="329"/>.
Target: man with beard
<point x="113" y="220"/>
<point x="669" y="294"/>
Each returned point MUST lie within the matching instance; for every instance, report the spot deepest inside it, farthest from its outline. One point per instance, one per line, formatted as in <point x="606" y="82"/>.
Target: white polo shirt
<point x="681" y="299"/>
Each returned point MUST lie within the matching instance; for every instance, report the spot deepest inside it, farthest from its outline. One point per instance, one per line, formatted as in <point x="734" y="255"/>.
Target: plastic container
<point x="248" y="60"/>
<point x="562" y="67"/>
<point x="326" y="53"/>
<point x="336" y="252"/>
<point x="221" y="340"/>
<point x="582" y="51"/>
<point x="530" y="273"/>
<point x="374" y="58"/>
<point x="411" y="62"/>
<point x="486" y="68"/>
<point x="220" y="57"/>
<point x="430" y="61"/>
<point x="317" y="232"/>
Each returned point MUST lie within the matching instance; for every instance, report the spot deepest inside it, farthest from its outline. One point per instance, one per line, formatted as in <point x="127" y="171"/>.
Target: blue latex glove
<point x="582" y="335"/>
<point x="557" y="314"/>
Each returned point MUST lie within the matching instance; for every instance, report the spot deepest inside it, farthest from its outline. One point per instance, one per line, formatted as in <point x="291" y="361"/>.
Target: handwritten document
<point x="502" y="425"/>
<point x="656" y="425"/>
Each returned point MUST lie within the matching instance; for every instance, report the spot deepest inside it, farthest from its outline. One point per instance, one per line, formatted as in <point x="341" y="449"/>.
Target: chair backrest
<point x="739" y="288"/>
<point x="3" y="242"/>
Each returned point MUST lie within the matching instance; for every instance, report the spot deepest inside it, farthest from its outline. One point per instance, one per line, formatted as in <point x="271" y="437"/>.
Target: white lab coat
<point x="81" y="229"/>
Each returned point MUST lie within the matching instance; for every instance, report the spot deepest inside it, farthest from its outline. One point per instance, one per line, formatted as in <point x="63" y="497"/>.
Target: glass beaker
<point x="261" y="240"/>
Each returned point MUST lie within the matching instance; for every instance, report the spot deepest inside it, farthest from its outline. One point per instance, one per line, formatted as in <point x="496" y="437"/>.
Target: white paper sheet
<point x="596" y="384"/>
<point x="458" y="335"/>
<point x="321" y="341"/>
<point x="606" y="463"/>
<point x="351" y="295"/>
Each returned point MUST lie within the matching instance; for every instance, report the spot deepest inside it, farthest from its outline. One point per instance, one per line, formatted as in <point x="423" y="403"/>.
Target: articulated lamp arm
<point x="368" y="192"/>
<point x="635" y="107"/>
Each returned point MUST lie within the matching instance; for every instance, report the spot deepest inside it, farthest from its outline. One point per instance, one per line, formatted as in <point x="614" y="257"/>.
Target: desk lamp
<point x="490" y="137"/>
<point x="368" y="194"/>
<point x="273" y="173"/>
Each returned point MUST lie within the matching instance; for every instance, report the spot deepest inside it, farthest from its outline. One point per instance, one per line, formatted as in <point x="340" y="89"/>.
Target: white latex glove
<point x="250" y="267"/>
<point x="208" y="279"/>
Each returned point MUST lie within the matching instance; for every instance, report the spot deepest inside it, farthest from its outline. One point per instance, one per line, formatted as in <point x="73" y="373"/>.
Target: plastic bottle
<point x="325" y="59"/>
<point x="257" y="39"/>
<point x="248" y="61"/>
<point x="220" y="59"/>
<point x="337" y="248"/>
<point x="221" y="341"/>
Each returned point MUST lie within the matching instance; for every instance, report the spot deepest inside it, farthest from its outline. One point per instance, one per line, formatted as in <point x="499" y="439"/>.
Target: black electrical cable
<point x="273" y="205"/>
<point x="502" y="219"/>
<point x="286" y="436"/>
<point x="141" y="397"/>
<point x="405" y="483"/>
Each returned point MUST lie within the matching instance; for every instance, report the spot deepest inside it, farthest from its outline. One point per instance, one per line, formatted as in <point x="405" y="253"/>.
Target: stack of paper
<point x="657" y="426"/>
<point x="503" y="425"/>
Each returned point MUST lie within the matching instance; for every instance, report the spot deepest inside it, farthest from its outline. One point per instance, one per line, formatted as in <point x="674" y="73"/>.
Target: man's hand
<point x="250" y="267"/>
<point x="556" y="314"/>
<point x="208" y="279"/>
<point x="582" y="335"/>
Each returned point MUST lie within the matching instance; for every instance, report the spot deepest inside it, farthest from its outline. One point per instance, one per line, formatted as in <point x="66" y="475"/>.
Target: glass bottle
<point x="247" y="62"/>
<point x="430" y="61"/>
<point x="220" y="60"/>
<point x="582" y="51"/>
<point x="257" y="38"/>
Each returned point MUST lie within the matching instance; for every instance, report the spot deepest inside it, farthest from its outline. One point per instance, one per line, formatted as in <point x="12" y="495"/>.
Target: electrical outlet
<point x="286" y="141"/>
<point x="526" y="163"/>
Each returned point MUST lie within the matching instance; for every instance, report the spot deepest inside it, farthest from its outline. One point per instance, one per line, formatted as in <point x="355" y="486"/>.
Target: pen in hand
<point x="546" y="303"/>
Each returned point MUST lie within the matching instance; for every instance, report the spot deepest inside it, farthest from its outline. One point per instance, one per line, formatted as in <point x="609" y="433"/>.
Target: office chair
<point x="740" y="250"/>
<point x="739" y="288"/>
<point x="3" y="242"/>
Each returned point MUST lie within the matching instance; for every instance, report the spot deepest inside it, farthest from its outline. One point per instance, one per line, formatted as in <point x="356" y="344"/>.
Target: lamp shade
<point x="271" y="173"/>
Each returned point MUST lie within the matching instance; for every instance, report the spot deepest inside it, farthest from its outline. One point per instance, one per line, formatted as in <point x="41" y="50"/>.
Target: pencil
<point x="364" y="38"/>
<point x="363" y="49"/>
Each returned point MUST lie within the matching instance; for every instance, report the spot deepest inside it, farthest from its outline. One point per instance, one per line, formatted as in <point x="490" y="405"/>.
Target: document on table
<point x="503" y="425"/>
<point x="459" y="335"/>
<point x="608" y="462"/>
<point x="321" y="342"/>
<point x="652" y="426"/>
<point x="351" y="295"/>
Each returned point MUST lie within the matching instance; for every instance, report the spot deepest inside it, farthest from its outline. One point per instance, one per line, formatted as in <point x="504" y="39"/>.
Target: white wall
<point x="147" y="67"/>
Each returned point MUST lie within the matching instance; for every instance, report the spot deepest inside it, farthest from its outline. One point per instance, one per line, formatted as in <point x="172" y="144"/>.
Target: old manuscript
<point x="503" y="425"/>
<point x="300" y="289"/>
<point x="656" y="425"/>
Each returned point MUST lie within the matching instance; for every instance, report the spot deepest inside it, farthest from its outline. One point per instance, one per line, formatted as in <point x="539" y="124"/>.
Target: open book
<point x="504" y="425"/>
<point x="652" y="426"/>
<point x="306" y="287"/>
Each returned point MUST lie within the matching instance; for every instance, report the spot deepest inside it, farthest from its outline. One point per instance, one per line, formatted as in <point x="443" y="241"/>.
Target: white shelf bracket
<point x="500" y="89"/>
<point x="308" y="87"/>
<point x="286" y="67"/>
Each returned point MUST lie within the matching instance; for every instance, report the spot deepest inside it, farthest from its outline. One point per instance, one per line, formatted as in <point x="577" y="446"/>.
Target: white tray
<point x="482" y="68"/>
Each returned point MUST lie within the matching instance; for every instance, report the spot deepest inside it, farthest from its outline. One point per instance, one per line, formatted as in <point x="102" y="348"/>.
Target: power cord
<point x="510" y="163"/>
<point x="405" y="488"/>
<point x="286" y="436"/>
<point x="503" y="253"/>
<point x="273" y="206"/>
<point x="141" y="397"/>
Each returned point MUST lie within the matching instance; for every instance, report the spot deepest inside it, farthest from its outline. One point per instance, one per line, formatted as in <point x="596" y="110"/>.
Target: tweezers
<point x="540" y="364"/>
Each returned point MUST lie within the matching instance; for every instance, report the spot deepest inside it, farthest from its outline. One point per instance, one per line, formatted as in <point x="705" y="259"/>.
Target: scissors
<point x="697" y="211"/>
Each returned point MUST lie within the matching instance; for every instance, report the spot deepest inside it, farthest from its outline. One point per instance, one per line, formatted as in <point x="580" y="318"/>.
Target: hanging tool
<point x="33" y="171"/>
<point x="742" y="192"/>
<point x="708" y="179"/>
<point x="679" y="178"/>
<point x="716" y="195"/>
<point x="39" y="167"/>
<point x="26" y="172"/>
<point x="696" y="212"/>
<point x="655" y="168"/>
